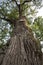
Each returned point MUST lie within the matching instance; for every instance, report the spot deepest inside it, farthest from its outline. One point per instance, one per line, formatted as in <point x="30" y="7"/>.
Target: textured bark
<point x="1" y="56"/>
<point x="23" y="49"/>
<point x="3" y="51"/>
<point x="42" y="58"/>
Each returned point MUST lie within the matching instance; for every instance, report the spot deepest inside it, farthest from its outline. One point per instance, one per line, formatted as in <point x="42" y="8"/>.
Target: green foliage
<point x="5" y="31"/>
<point x="8" y="10"/>
<point x="29" y="9"/>
<point x="37" y="27"/>
<point x="37" y="2"/>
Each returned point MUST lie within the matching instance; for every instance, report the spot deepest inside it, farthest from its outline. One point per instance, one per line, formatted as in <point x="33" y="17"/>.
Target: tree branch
<point x="16" y="2"/>
<point x="11" y="21"/>
<point x="4" y="18"/>
<point x="26" y="1"/>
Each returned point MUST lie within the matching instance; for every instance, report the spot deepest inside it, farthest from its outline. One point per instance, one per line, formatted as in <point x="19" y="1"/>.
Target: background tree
<point x="38" y="27"/>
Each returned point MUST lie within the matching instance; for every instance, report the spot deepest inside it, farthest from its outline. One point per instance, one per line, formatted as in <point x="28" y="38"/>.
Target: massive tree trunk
<point x="42" y="58"/>
<point x="23" y="49"/>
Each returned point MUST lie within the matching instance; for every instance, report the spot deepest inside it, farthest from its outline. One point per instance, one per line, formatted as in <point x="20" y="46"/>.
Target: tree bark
<point x="23" y="49"/>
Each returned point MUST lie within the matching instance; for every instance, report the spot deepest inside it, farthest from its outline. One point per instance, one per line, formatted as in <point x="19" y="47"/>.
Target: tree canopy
<point x="9" y="11"/>
<point x="12" y="9"/>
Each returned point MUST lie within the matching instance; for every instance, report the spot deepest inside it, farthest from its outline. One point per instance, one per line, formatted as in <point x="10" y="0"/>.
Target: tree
<point x="23" y="48"/>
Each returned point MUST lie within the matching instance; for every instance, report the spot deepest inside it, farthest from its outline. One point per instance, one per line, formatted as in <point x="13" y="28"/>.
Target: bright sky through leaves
<point x="40" y="12"/>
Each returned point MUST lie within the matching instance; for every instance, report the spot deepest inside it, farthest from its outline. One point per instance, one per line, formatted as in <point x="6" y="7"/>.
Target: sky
<point x="40" y="12"/>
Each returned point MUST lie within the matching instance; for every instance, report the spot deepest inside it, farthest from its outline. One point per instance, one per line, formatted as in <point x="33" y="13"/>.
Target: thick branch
<point x="4" y="19"/>
<point x="16" y="2"/>
<point x="11" y="21"/>
<point x="26" y="1"/>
